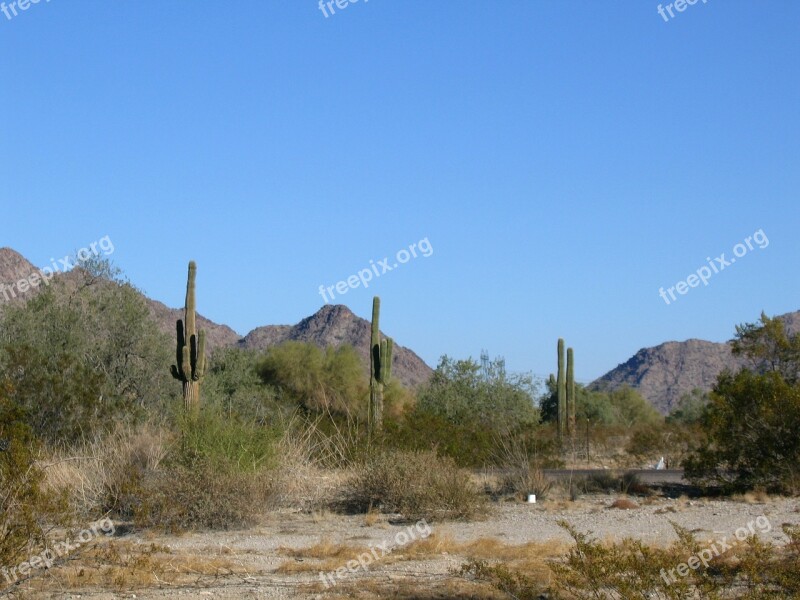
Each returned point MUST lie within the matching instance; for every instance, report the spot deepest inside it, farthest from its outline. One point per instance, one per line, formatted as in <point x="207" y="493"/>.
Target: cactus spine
<point x="561" y="391"/>
<point x="380" y="363"/>
<point x="571" y="393"/>
<point x="191" y="348"/>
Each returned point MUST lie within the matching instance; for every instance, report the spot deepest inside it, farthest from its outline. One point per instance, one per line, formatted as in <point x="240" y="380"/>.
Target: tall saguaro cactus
<point x="191" y="349"/>
<point x="561" y="390"/>
<point x="380" y="367"/>
<point x="571" y="393"/>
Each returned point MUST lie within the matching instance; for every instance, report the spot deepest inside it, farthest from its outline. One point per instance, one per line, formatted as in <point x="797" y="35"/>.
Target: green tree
<point x="768" y="347"/>
<point x="461" y="393"/>
<point x="752" y="422"/>
<point x="332" y="380"/>
<point x="82" y="350"/>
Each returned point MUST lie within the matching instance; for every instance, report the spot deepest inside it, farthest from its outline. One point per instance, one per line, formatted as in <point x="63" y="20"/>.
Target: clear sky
<point x="564" y="159"/>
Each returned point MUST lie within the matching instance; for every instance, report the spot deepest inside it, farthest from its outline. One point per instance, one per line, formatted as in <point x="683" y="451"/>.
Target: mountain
<point x="336" y="325"/>
<point x="663" y="373"/>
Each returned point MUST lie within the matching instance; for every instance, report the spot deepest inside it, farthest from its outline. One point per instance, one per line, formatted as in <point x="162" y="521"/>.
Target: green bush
<point x="417" y="485"/>
<point x="217" y="475"/>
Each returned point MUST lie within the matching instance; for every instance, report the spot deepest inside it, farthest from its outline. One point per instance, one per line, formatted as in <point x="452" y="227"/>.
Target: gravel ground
<point x="258" y="552"/>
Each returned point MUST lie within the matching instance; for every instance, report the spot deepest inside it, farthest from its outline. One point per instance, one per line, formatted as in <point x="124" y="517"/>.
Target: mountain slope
<point x="13" y="268"/>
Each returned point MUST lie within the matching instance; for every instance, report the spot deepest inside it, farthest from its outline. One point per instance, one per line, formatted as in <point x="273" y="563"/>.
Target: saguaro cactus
<point x="561" y="390"/>
<point x="191" y="349"/>
<point x="571" y="393"/>
<point x="380" y="367"/>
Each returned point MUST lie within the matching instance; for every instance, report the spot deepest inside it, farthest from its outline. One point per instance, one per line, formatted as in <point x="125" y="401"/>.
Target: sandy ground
<point x="260" y="562"/>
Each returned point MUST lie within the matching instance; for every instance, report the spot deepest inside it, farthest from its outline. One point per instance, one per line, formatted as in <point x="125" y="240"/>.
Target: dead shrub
<point x="520" y="473"/>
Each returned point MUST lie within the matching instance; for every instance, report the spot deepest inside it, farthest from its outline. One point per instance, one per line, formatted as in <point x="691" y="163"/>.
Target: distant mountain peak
<point x="663" y="373"/>
<point x="336" y="325"/>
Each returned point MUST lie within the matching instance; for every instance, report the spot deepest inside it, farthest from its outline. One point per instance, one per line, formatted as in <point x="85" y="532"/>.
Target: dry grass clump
<point x="212" y="473"/>
<point x="417" y="485"/>
<point x="126" y="566"/>
<point x="312" y="464"/>
<point x="96" y="474"/>
<point x="198" y="496"/>
<point x="756" y="496"/>
<point x="624" y="504"/>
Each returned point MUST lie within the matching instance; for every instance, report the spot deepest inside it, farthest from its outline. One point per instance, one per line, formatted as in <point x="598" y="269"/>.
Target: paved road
<point x="651" y="476"/>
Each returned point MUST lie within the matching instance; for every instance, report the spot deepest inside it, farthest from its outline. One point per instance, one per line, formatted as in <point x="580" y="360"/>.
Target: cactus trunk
<point x="190" y="355"/>
<point x="570" y="393"/>
<point x="380" y="368"/>
<point x="561" y="392"/>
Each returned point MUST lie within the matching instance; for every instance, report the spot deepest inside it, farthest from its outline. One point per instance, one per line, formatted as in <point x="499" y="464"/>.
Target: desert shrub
<point x="520" y="469"/>
<point x="418" y="485"/>
<point x="58" y="396"/>
<point x="468" y="444"/>
<point x="27" y="507"/>
<point x="672" y="441"/>
<point x="225" y="443"/>
<point x="631" y="570"/>
<point x="96" y="474"/>
<point x="217" y="474"/>
<point x="751" y="428"/>
<point x="196" y="496"/>
<point x="513" y="583"/>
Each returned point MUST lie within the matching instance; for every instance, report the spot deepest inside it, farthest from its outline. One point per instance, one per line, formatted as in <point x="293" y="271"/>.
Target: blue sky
<point x="565" y="160"/>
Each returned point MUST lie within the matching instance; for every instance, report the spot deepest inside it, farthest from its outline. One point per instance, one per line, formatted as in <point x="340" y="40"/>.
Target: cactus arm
<point x="200" y="365"/>
<point x="387" y="361"/>
<point x="186" y="363"/>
